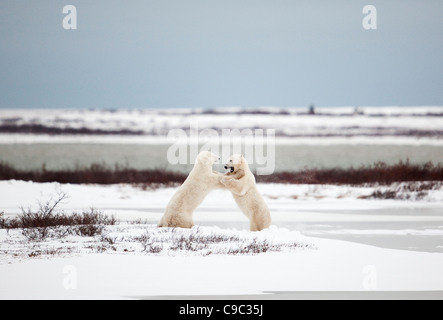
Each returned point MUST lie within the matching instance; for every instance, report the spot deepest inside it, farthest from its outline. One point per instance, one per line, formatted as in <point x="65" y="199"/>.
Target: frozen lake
<point x="290" y="155"/>
<point x="332" y="137"/>
<point x="417" y="229"/>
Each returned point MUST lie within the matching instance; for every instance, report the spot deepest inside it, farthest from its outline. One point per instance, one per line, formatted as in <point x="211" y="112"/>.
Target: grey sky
<point x="207" y="53"/>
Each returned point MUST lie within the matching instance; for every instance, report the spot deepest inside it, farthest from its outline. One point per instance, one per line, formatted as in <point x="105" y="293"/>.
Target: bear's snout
<point x="231" y="169"/>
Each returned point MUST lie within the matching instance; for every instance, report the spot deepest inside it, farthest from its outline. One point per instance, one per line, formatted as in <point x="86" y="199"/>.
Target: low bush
<point x="47" y="221"/>
<point x="404" y="191"/>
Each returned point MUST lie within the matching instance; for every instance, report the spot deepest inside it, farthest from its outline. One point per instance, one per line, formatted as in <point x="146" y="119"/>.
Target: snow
<point x="130" y="202"/>
<point x="136" y="239"/>
<point x="323" y="238"/>
<point x="334" y="137"/>
<point x="385" y="121"/>
<point x="11" y="139"/>
<point x="125" y="269"/>
<point x="334" y="266"/>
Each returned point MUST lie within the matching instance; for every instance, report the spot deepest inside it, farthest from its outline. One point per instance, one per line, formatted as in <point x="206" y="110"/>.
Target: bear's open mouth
<point x="231" y="169"/>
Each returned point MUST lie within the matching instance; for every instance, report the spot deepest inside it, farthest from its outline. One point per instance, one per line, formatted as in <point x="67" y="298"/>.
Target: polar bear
<point x="241" y="182"/>
<point x="192" y="192"/>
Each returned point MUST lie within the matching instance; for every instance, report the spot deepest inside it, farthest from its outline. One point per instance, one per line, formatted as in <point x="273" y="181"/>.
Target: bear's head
<point x="207" y="158"/>
<point x="236" y="162"/>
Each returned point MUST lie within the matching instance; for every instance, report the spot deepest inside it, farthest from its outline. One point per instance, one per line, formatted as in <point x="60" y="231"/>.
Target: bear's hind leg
<point x="258" y="223"/>
<point x="181" y="221"/>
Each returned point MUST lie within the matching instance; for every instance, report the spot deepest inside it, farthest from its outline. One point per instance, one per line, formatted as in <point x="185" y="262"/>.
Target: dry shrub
<point x="47" y="221"/>
<point x="405" y="191"/>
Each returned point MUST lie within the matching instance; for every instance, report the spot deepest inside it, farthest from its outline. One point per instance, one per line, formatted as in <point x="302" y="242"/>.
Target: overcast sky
<point x="212" y="53"/>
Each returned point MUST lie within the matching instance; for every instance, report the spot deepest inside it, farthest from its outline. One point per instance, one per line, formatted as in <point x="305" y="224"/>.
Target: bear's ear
<point x="243" y="161"/>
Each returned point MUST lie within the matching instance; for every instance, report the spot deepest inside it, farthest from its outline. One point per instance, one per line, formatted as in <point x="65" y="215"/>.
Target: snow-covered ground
<point x="334" y="266"/>
<point x="301" y="251"/>
<point x="292" y="122"/>
<point x="323" y="238"/>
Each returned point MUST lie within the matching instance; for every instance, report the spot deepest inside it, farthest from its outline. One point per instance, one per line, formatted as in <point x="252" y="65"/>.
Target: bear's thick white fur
<point x="241" y="182"/>
<point x="190" y="195"/>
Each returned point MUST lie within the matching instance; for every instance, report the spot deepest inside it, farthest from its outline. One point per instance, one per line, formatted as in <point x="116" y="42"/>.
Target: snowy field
<point x="324" y="238"/>
<point x="288" y="122"/>
<point x="385" y="245"/>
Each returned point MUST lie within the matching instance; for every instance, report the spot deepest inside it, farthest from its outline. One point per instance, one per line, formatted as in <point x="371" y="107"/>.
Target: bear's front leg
<point x="233" y="185"/>
<point x="214" y="180"/>
<point x="227" y="181"/>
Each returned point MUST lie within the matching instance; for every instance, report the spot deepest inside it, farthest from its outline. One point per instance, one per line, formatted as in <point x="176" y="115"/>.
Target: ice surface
<point x="126" y="269"/>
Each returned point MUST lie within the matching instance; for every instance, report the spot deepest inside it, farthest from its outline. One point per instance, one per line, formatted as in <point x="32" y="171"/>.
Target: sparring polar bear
<point x="190" y="195"/>
<point x="241" y="182"/>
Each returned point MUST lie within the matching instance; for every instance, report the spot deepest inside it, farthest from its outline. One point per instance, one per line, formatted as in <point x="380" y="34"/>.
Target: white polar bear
<point x="190" y="195"/>
<point x="241" y="182"/>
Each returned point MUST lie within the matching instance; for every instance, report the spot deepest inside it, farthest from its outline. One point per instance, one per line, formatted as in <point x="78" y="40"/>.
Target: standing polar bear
<point x="190" y="195"/>
<point x="241" y="182"/>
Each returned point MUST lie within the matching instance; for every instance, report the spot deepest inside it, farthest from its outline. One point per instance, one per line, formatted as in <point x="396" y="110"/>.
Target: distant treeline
<point x="379" y="173"/>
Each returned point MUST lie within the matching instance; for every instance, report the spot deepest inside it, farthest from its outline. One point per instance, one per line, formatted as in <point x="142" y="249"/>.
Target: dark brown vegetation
<point x="42" y="129"/>
<point x="97" y="174"/>
<point x="405" y="191"/>
<point x="205" y="244"/>
<point x="48" y="221"/>
<point x="379" y="173"/>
